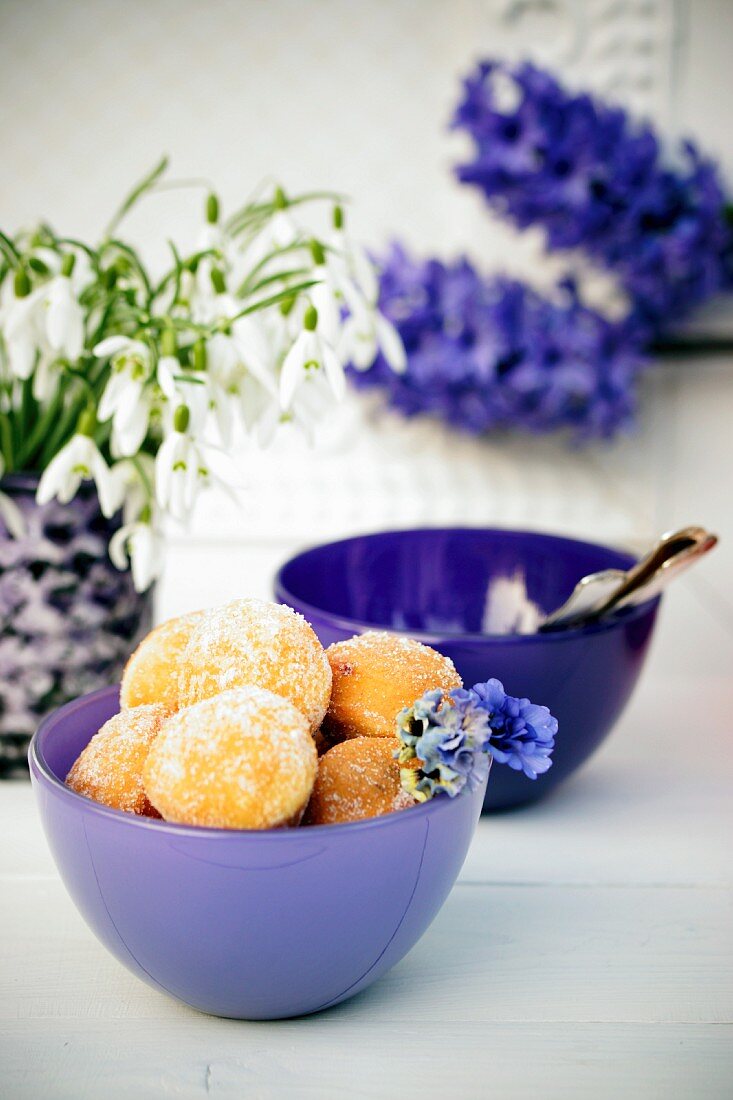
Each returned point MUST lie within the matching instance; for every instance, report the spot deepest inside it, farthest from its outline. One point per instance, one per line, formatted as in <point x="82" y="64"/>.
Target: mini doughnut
<point x="263" y="644"/>
<point x="244" y="759"/>
<point x="109" y="769"/>
<point x="151" y="674"/>
<point x="356" y="779"/>
<point x="375" y="675"/>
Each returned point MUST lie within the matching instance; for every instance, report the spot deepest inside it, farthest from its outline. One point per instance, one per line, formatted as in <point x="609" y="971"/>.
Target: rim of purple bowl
<point x="37" y="760"/>
<point x="345" y="622"/>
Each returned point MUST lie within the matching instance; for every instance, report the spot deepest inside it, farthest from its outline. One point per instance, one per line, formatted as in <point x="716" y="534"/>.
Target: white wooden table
<point x="585" y="952"/>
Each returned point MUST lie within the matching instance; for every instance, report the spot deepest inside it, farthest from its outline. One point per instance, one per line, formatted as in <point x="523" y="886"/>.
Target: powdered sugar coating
<point x="376" y="675"/>
<point x="109" y="769"/>
<point x="357" y="779"/>
<point x="151" y="674"/>
<point x="243" y="759"/>
<point x="263" y="644"/>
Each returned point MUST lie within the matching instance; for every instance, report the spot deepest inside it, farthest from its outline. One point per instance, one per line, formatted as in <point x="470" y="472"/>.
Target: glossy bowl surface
<point x="244" y="924"/>
<point x="433" y="583"/>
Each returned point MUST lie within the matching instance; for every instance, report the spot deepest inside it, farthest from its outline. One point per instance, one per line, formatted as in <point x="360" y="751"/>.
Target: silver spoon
<point x="601" y="593"/>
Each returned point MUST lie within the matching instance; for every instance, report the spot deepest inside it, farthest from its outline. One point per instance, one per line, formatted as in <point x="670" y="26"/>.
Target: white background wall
<point x="355" y="96"/>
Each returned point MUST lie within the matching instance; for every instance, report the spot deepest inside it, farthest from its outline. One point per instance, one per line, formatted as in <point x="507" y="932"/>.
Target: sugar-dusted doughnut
<point x="151" y="674"/>
<point x="243" y="759"/>
<point x="375" y="675"/>
<point x="264" y="644"/>
<point x="109" y="769"/>
<point x="356" y="779"/>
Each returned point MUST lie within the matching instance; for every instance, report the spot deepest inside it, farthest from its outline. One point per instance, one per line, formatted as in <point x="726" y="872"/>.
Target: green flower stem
<point x="65" y="428"/>
<point x="38" y="433"/>
<point x="6" y="442"/>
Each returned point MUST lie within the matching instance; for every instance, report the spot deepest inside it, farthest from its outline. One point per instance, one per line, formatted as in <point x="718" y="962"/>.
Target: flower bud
<point x="317" y="252"/>
<point x="109" y="278"/>
<point x="280" y="201"/>
<point x="199" y="355"/>
<point x="35" y="263"/>
<point x="217" y="280"/>
<point x="87" y="422"/>
<point x="67" y="264"/>
<point x="311" y="319"/>
<point x="286" y="305"/>
<point x="22" y="283"/>
<point x="192" y="264"/>
<point x="212" y="209"/>
<point x="168" y="342"/>
<point x="181" y="418"/>
<point x="338" y="217"/>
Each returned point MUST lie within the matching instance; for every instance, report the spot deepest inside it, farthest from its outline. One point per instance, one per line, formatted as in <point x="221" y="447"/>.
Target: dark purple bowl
<point x="432" y="584"/>
<point x="250" y="925"/>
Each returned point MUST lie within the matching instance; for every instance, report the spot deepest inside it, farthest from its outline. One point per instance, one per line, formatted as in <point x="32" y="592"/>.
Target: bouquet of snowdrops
<point x="137" y="382"/>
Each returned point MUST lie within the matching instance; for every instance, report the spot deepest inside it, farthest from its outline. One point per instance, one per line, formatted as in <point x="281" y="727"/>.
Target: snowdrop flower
<point x="64" y="322"/>
<point x="366" y="332"/>
<point x="180" y="468"/>
<point x="279" y="231"/>
<point x="237" y="355"/>
<point x="138" y="545"/>
<point x="80" y="460"/>
<point x="350" y="262"/>
<point x="325" y="295"/>
<point x="133" y="483"/>
<point x="312" y="403"/>
<point x="20" y="326"/>
<point x="182" y="385"/>
<point x="125" y="399"/>
<point x="310" y="353"/>
<point x="10" y="513"/>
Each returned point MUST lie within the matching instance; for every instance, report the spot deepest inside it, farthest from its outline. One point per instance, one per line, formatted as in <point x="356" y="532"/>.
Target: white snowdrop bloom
<point x="365" y="333"/>
<point x="181" y="385"/>
<point x="310" y="353"/>
<point x="350" y="262"/>
<point x="79" y="460"/>
<point x="10" y="513"/>
<point x="325" y="297"/>
<point x="46" y="379"/>
<point x="312" y="404"/>
<point x="241" y="344"/>
<point x="279" y="232"/>
<point x="64" y="317"/>
<point x="137" y="544"/>
<point x="134" y="481"/>
<point x="22" y="332"/>
<point x="181" y="468"/>
<point x="126" y="400"/>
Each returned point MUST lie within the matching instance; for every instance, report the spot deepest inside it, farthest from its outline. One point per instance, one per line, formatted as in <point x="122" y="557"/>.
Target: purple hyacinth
<point x="486" y="354"/>
<point x="595" y="179"/>
<point x="522" y="734"/>
<point x="451" y="738"/>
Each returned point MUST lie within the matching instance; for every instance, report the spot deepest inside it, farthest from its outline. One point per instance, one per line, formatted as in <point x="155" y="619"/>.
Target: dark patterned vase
<point x="68" y="617"/>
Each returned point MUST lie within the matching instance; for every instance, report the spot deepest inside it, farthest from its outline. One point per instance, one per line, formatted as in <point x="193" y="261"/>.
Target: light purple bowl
<point x="244" y="924"/>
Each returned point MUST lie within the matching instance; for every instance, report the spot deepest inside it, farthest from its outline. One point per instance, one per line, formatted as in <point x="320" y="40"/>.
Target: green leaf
<point x="146" y="183"/>
<point x="9" y="251"/>
<point x="290" y="292"/>
<point x="268" y="280"/>
<point x="296" y="246"/>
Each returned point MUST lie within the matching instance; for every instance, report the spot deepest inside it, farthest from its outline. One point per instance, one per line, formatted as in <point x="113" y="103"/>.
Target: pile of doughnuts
<point x="237" y="718"/>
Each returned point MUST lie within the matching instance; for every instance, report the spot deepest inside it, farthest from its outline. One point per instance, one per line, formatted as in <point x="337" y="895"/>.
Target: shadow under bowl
<point x="245" y="924"/>
<point x="434" y="584"/>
